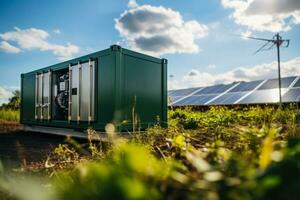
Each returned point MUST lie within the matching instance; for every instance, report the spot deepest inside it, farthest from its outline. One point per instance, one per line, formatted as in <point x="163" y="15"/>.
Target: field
<point x="219" y="153"/>
<point x="10" y="115"/>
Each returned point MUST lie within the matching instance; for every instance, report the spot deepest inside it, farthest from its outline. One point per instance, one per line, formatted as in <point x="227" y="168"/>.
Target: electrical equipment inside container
<point x="60" y="94"/>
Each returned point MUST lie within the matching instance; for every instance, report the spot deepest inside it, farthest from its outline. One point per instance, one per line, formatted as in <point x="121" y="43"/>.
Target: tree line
<point x="13" y="102"/>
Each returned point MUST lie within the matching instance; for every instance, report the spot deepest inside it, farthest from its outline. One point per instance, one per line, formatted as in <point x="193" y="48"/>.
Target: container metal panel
<point x="92" y="90"/>
<point x="87" y="92"/>
<point x="83" y="91"/>
<point x="39" y="96"/>
<point x="105" y="89"/>
<point x="142" y="89"/>
<point x="28" y="97"/>
<point x="75" y="93"/>
<point x="42" y="96"/>
<point x="46" y="95"/>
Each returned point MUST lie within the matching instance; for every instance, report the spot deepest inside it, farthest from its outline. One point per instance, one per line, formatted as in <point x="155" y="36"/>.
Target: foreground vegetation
<point x="221" y="153"/>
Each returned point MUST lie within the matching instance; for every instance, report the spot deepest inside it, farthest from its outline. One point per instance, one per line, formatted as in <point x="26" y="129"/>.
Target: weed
<point x="220" y="153"/>
<point x="9" y="115"/>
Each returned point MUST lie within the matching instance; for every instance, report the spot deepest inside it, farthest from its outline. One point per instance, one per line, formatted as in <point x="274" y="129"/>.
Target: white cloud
<point x="193" y="73"/>
<point x="6" y="93"/>
<point x="211" y="66"/>
<point x="246" y="34"/>
<point x="159" y="30"/>
<point x="173" y="84"/>
<point x="8" y="48"/>
<point x="65" y="52"/>
<point x="195" y="78"/>
<point x="32" y="38"/>
<point x="132" y="4"/>
<point x="265" y="15"/>
<point x="56" y="31"/>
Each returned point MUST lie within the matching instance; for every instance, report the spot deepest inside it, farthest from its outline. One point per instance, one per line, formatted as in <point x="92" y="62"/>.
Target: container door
<point x="38" y="96"/>
<point x="82" y="91"/>
<point x="87" y="92"/>
<point x="46" y="96"/>
<point x="42" y="96"/>
<point x="74" y="93"/>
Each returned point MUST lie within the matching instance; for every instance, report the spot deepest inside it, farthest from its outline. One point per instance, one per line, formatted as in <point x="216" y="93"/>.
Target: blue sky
<point x="199" y="38"/>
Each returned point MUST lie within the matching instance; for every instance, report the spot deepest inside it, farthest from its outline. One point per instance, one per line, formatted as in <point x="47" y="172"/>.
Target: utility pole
<point x="278" y="41"/>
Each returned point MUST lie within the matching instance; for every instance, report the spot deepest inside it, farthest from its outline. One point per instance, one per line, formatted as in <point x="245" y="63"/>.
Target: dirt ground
<point x="18" y="147"/>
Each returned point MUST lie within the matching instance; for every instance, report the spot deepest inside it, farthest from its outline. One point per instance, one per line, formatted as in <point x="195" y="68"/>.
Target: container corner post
<point x="115" y="47"/>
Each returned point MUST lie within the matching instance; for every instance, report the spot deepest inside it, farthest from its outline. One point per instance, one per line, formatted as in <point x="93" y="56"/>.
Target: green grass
<point x="10" y="115"/>
<point x="221" y="153"/>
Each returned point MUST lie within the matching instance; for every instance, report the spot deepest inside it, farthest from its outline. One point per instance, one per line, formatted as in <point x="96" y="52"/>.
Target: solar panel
<point x="241" y="93"/>
<point x="181" y="103"/>
<point x="207" y="90"/>
<point x="228" y="98"/>
<point x="189" y="100"/>
<point x="214" y="89"/>
<point x="297" y="84"/>
<point x="186" y="101"/>
<point x="262" y="96"/>
<point x="196" y="99"/>
<point x="170" y="92"/>
<point x="273" y="83"/>
<point x="174" y="98"/>
<point x="205" y="98"/>
<point x="184" y="92"/>
<point x="286" y="82"/>
<point x="246" y="86"/>
<point x="292" y="95"/>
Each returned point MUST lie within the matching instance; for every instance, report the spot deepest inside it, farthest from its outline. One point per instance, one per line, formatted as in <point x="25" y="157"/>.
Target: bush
<point x="10" y="115"/>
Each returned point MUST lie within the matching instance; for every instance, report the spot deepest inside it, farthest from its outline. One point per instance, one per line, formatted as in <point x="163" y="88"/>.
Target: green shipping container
<point x="116" y="85"/>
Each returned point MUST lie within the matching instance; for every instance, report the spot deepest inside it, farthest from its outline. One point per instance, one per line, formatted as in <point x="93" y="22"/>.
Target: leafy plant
<point x="9" y="115"/>
<point x="219" y="153"/>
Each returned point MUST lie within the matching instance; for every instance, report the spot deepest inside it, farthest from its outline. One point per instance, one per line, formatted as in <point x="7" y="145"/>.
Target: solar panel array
<point x="255" y="92"/>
